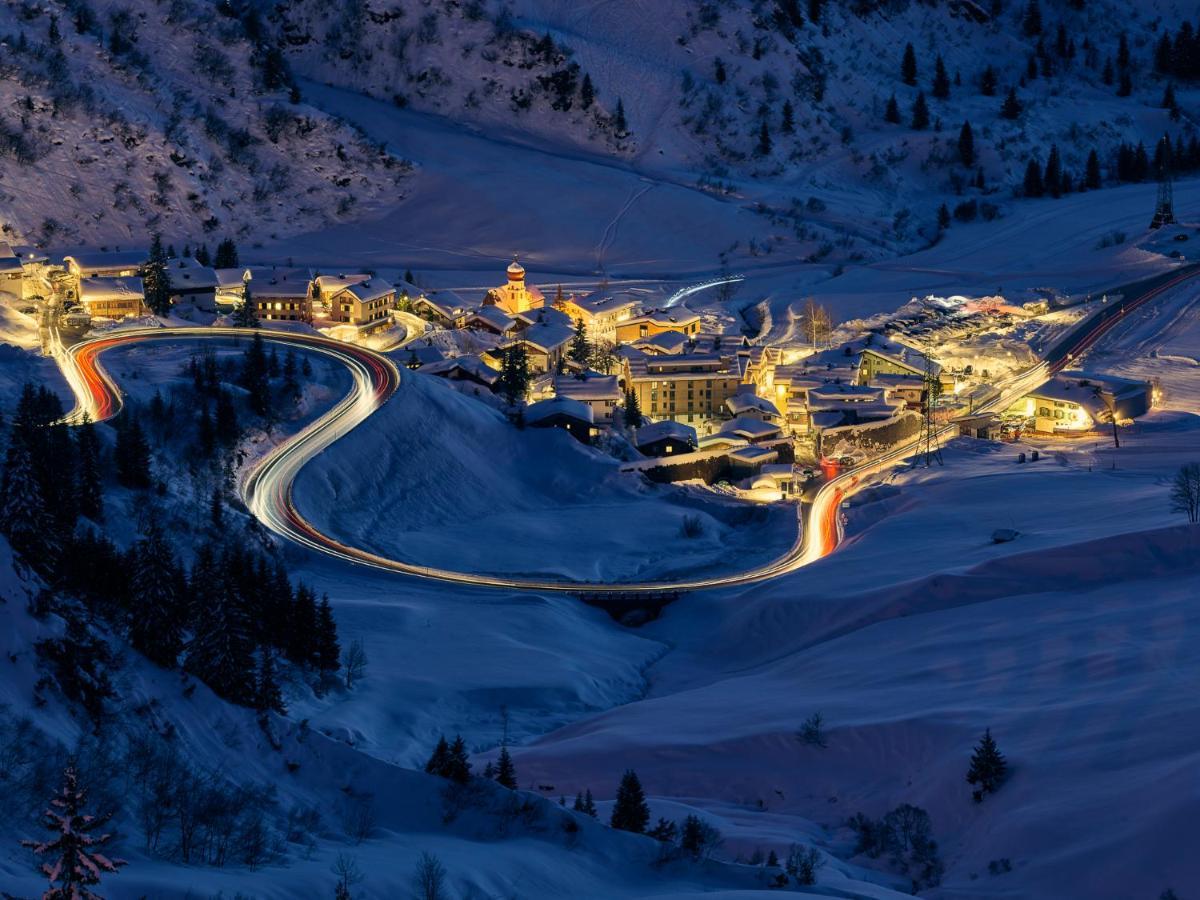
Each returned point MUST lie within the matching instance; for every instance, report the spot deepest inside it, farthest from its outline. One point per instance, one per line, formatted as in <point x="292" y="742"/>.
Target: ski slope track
<point x="267" y="485"/>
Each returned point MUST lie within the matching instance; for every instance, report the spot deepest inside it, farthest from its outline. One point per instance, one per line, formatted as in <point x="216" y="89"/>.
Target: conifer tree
<point x="1031" y="24"/>
<point x="155" y="279"/>
<point x="943" y="217"/>
<point x="227" y="255"/>
<point x="75" y="852"/>
<point x="633" y="410"/>
<point x="988" y="767"/>
<point x="254" y="376"/>
<point x="763" y="148"/>
<point x="291" y="386"/>
<point x="891" y="112"/>
<point x="787" y="123"/>
<point x="202" y="255"/>
<point x="514" y="373"/>
<point x="630" y="811"/>
<point x="156" y="621"/>
<point x="1125" y="87"/>
<point x="920" y="113"/>
<point x="1091" y="177"/>
<point x="458" y="768"/>
<point x="622" y="127"/>
<point x="1011" y="107"/>
<point x="1053" y="177"/>
<point x="439" y="761"/>
<point x="987" y="82"/>
<point x="587" y="92"/>
<point x="966" y="145"/>
<point x="246" y="314"/>
<point x="580" y="350"/>
<point x="941" y="81"/>
<point x="1033" y="179"/>
<point x="132" y="453"/>
<point x="221" y="653"/>
<point x="301" y="638"/>
<point x="23" y="514"/>
<point x="329" y="651"/>
<point x="90" y="489"/>
<point x="506" y="771"/>
<point x="908" y="65"/>
<point x="267" y="695"/>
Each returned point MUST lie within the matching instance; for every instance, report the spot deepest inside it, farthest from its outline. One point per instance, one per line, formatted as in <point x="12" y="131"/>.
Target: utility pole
<point x="932" y="386"/>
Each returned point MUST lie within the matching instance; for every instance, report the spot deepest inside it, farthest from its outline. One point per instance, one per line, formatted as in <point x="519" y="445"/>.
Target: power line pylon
<point x="931" y="449"/>
<point x="1164" y="208"/>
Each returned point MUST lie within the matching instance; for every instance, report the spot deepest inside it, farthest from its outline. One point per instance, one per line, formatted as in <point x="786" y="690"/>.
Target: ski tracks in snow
<point x="610" y="230"/>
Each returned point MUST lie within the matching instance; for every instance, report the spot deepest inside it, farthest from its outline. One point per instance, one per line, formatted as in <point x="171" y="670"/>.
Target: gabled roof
<point x="599" y="304"/>
<point x="10" y="263"/>
<point x="748" y="402"/>
<point x="588" y="388"/>
<point x="366" y="291"/>
<point x="331" y="284"/>
<point x="493" y="316"/>
<point x="750" y="429"/>
<point x="545" y="314"/>
<point x="99" y="261"/>
<point x="664" y="342"/>
<point x="470" y="365"/>
<point x="675" y="317"/>
<point x="546" y="338"/>
<point x="111" y="287"/>
<point x="187" y="274"/>
<point x="446" y="303"/>
<point x="558" y="406"/>
<point x="668" y="428"/>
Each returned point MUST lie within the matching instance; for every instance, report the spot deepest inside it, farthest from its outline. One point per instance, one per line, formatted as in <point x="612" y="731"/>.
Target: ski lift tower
<point x="1164" y="209"/>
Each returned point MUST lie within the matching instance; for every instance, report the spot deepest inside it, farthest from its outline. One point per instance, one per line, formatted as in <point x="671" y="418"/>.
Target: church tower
<point x="514" y="296"/>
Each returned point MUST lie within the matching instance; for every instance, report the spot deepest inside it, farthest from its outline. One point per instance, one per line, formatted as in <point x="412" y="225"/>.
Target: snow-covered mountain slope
<point x="756" y="101"/>
<point x="122" y="119"/>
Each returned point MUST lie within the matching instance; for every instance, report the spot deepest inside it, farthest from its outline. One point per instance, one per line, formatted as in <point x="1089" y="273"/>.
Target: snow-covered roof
<point x="366" y="291"/>
<point x="230" y="279"/>
<point x="331" y="284"/>
<point x="746" y="401"/>
<point x="546" y="338"/>
<point x="590" y="387"/>
<point x="850" y="393"/>
<point x="753" y="454"/>
<point x="749" y="428"/>
<point x="188" y="275"/>
<point x="599" y="304"/>
<point x="445" y="303"/>
<point x="668" y="428"/>
<point x="111" y="287"/>
<point x="493" y="316"/>
<point x="290" y="284"/>
<point x="547" y="315"/>
<point x="98" y="261"/>
<point x="425" y="352"/>
<point x="10" y="263"/>
<point x="558" y="406"/>
<point x="664" y="342"/>
<point x="677" y="366"/>
<point x="675" y="317"/>
<point x="469" y="365"/>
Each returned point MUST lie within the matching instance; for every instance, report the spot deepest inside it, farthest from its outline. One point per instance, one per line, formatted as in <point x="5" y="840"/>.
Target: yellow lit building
<point x="514" y="296"/>
<point x="688" y="387"/>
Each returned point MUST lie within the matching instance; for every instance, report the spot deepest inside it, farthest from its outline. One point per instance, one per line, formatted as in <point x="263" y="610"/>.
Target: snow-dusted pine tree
<point x="75" y="860"/>
<point x="156" y="627"/>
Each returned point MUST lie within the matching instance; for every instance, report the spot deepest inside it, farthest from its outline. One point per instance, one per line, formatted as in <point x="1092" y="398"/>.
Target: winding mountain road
<point x="267" y="485"/>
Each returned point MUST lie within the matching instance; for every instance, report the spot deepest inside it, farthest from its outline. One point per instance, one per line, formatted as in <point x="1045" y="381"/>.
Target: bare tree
<point x="817" y="322"/>
<point x="1185" y="492"/>
<point x="345" y="867"/>
<point x="429" y="880"/>
<point x="354" y="662"/>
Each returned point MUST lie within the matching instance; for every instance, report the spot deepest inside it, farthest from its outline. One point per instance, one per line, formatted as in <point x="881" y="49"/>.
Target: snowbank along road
<point x="267" y="485"/>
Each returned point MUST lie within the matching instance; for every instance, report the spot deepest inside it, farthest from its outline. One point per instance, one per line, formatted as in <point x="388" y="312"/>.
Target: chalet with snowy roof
<point x="545" y="345"/>
<point x="1079" y="401"/>
<point x="421" y="353"/>
<point x="120" y="263"/>
<point x="573" y="416"/>
<point x="325" y="286"/>
<point x="443" y="308"/>
<point x="192" y="281"/>
<point x="665" y="438"/>
<point x="600" y="392"/>
<point x="600" y="313"/>
<point x="231" y="284"/>
<point x="514" y="296"/>
<point x="546" y="315"/>
<point x="835" y="404"/>
<point x="678" y="319"/>
<point x="746" y="403"/>
<point x="12" y="270"/>
<point x="280" y="295"/>
<point x="686" y="387"/>
<point x="746" y="462"/>
<point x="664" y="343"/>
<point x="367" y="305"/>
<point x="491" y="319"/>
<point x="751" y="429"/>
<point x="463" y="368"/>
<point x="112" y="297"/>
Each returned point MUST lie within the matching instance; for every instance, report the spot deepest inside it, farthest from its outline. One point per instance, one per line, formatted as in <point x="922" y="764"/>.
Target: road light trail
<point x="267" y="486"/>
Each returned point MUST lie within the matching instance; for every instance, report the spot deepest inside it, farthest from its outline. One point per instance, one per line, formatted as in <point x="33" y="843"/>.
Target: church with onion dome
<point x="514" y="296"/>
